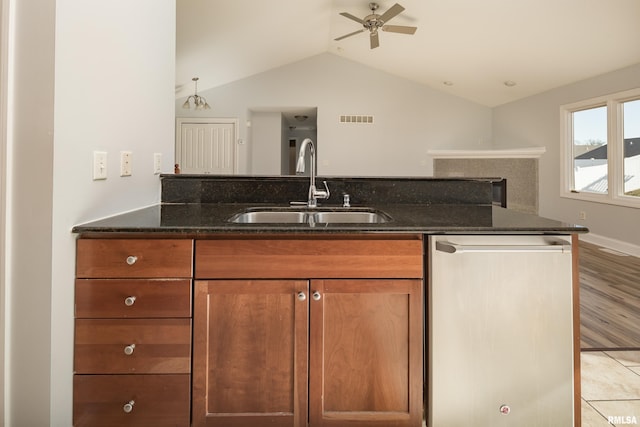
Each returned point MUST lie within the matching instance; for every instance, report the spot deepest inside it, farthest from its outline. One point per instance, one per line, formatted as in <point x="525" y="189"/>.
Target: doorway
<point x="292" y="157"/>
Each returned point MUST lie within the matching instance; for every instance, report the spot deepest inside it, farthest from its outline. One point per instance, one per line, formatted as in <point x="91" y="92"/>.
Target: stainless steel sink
<point x="350" y="217"/>
<point x="268" y="217"/>
<point x="310" y="216"/>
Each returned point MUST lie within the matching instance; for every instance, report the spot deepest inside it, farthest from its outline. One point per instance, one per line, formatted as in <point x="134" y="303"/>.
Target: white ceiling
<point x="475" y="44"/>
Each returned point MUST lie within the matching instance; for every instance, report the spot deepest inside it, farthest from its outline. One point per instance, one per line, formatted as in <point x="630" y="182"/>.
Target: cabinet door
<point x="366" y="353"/>
<point x="250" y="353"/>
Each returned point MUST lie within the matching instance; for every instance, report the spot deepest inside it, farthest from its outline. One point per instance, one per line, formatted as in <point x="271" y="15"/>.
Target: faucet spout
<point x="314" y="193"/>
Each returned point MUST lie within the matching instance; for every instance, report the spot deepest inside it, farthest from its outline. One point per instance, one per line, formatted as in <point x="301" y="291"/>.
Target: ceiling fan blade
<point x="350" y="34"/>
<point x="375" y="40"/>
<point x="350" y="16"/>
<point x="399" y="29"/>
<point x="393" y="11"/>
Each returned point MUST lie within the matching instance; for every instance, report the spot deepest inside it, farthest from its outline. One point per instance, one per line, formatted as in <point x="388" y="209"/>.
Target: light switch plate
<point x="125" y="163"/>
<point x="157" y="163"/>
<point x="99" y="165"/>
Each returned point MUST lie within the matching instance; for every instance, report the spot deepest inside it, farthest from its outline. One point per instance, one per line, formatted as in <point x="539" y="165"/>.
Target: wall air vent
<point x="358" y="119"/>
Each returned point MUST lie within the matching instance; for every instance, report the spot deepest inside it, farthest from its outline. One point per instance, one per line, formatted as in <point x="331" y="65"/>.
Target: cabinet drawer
<point x="319" y="258"/>
<point x="134" y="258"/>
<point x="143" y="346"/>
<point x="136" y="298"/>
<point x="158" y="400"/>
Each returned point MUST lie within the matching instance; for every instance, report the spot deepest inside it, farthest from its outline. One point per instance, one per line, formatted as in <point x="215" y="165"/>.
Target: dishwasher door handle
<point x="552" y="247"/>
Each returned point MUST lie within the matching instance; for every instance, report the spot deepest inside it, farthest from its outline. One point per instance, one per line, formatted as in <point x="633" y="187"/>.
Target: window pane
<point x="590" y="171"/>
<point x="631" y="119"/>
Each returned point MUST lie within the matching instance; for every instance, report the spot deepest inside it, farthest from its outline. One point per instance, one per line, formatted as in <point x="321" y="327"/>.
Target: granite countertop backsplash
<point x="203" y="204"/>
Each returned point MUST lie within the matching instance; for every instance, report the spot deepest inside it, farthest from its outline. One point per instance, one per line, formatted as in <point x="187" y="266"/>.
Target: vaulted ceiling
<point x="475" y="46"/>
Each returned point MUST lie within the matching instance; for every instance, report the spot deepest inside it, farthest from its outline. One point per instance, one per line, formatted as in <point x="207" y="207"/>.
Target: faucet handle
<point x="326" y="193"/>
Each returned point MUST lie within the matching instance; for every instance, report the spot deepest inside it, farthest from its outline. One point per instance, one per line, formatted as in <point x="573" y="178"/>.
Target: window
<point x="631" y="167"/>
<point x="601" y="149"/>
<point x="590" y="163"/>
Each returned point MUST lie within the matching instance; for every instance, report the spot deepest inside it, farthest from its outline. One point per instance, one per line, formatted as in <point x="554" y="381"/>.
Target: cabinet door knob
<point x="128" y="301"/>
<point x="316" y="295"/>
<point x="131" y="259"/>
<point x="302" y="296"/>
<point x="128" y="407"/>
<point x="128" y="350"/>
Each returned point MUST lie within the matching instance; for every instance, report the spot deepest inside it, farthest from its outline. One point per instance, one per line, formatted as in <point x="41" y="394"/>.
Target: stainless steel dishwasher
<point x="499" y="325"/>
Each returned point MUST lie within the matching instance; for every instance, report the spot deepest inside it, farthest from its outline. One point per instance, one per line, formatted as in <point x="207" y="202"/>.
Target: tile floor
<point x="610" y="388"/>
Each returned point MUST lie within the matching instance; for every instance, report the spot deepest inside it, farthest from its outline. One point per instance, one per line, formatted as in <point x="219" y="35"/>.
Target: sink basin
<point x="350" y="217"/>
<point x="310" y="216"/>
<point x="267" y="217"/>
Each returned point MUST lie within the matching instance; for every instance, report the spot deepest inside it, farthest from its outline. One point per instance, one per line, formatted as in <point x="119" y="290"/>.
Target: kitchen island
<point x="293" y="324"/>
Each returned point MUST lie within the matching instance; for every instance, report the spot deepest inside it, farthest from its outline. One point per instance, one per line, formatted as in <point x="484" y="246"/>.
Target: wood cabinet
<point x="366" y="353"/>
<point x="332" y="337"/>
<point x="286" y="331"/>
<point x="132" y="353"/>
<point x="250" y="353"/>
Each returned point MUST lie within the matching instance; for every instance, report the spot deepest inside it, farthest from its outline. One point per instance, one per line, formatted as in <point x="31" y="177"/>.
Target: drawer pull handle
<point x="128" y="301"/>
<point x="316" y="296"/>
<point x="302" y="296"/>
<point x="128" y="407"/>
<point x="131" y="259"/>
<point x="128" y="350"/>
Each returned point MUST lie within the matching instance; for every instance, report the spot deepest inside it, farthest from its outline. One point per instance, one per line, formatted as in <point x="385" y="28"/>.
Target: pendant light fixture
<point x="199" y="102"/>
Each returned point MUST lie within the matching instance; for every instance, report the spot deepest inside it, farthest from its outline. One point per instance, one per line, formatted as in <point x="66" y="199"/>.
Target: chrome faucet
<point x="314" y="193"/>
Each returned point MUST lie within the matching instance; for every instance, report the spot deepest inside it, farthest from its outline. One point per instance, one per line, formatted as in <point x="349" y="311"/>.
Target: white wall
<point x="29" y="211"/>
<point x="535" y="121"/>
<point x="409" y="118"/>
<point x="4" y="86"/>
<point x="266" y="143"/>
<point x="114" y="90"/>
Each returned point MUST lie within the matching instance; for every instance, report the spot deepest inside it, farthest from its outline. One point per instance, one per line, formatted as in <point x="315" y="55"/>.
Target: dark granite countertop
<point x="203" y="204"/>
<point x="213" y="218"/>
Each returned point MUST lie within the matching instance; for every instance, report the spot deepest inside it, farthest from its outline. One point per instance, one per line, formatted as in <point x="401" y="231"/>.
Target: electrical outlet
<point x="583" y="215"/>
<point x="157" y="163"/>
<point x="125" y="163"/>
<point x="99" y="165"/>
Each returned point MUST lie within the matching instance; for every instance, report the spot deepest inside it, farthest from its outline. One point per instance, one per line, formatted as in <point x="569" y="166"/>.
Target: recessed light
<point x="510" y="83"/>
<point x="447" y="83"/>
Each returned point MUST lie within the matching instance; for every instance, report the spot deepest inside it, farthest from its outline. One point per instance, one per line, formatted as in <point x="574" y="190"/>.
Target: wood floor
<point x="609" y="299"/>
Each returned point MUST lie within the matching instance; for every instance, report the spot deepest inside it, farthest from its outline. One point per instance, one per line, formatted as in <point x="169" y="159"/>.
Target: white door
<point x="206" y="146"/>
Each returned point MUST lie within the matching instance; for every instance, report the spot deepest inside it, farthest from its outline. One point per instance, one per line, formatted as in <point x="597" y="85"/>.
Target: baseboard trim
<point x="616" y="245"/>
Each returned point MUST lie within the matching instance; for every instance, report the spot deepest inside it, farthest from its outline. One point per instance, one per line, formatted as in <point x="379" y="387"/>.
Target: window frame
<point x="615" y="149"/>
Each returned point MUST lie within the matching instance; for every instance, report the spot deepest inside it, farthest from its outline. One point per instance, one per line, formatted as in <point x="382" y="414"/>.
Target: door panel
<point x="250" y="353"/>
<point x="206" y="148"/>
<point x="366" y="353"/>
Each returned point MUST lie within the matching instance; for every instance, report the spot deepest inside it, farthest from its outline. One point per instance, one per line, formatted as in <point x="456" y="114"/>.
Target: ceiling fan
<point x="375" y="22"/>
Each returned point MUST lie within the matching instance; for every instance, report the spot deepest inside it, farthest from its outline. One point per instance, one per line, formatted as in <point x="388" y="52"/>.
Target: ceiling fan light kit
<point x="375" y="22"/>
